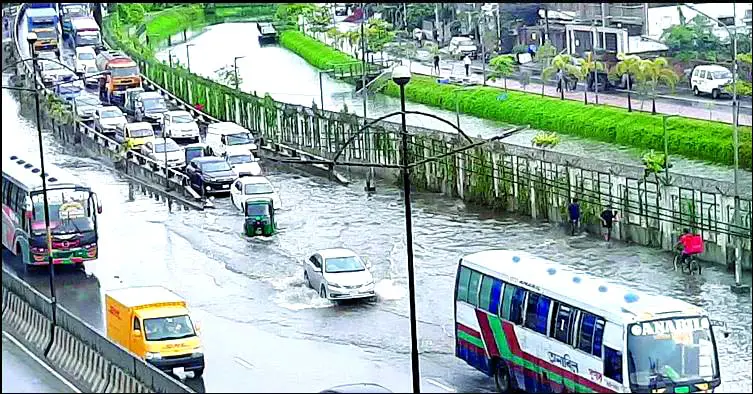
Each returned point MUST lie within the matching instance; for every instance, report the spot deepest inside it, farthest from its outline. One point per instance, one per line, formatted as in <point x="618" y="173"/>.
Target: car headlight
<point x="153" y="356"/>
<point x="199" y="351"/>
<point x="369" y="283"/>
<point x="333" y="284"/>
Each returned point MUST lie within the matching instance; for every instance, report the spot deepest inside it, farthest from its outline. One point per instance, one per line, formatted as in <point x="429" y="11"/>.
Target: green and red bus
<point x="539" y="326"/>
<point x="73" y="210"/>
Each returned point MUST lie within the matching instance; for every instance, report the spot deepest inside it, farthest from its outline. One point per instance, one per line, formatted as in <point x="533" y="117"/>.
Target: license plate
<point x="225" y="186"/>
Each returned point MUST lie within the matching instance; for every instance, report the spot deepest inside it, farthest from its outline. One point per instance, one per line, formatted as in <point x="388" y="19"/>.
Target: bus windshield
<point x="124" y="72"/>
<point x="69" y="212"/>
<point x="670" y="351"/>
<point x="46" y="34"/>
<point x="87" y="38"/>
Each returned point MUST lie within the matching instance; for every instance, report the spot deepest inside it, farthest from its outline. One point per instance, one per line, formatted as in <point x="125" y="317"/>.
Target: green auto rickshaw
<point x="260" y="217"/>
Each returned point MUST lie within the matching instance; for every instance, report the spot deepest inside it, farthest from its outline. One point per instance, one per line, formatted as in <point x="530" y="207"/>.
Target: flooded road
<point x="258" y="318"/>
<point x="288" y="78"/>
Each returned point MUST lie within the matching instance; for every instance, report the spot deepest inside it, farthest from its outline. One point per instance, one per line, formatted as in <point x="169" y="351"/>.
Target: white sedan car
<point x="253" y="187"/>
<point x="339" y="274"/>
<point x="244" y="164"/>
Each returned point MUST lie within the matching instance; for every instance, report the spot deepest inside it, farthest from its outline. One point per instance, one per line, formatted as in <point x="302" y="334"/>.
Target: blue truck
<point x="44" y="22"/>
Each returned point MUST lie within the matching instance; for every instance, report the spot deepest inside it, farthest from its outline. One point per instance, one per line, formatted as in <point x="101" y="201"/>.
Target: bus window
<point x="465" y="275"/>
<point x="512" y="306"/>
<point x="537" y="312"/>
<point x="562" y="322"/>
<point x="19" y="203"/>
<point x="590" y="334"/>
<point x="6" y="186"/>
<point x="489" y="297"/>
<point x="598" y="336"/>
<point x="473" y="288"/>
<point x="613" y="364"/>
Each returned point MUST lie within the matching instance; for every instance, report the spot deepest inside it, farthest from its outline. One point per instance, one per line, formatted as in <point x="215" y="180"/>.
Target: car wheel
<point x="323" y="292"/>
<point x="502" y="378"/>
<point x="715" y="94"/>
<point x="695" y="91"/>
<point x="306" y="278"/>
<point x="198" y="372"/>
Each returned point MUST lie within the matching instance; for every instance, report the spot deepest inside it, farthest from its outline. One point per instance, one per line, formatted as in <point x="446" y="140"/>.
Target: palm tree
<point x="336" y="36"/>
<point x="588" y="66"/>
<point x="657" y="71"/>
<point x="562" y="62"/>
<point x="502" y="66"/>
<point x="628" y="65"/>
<point x="544" y="56"/>
<point x="353" y="38"/>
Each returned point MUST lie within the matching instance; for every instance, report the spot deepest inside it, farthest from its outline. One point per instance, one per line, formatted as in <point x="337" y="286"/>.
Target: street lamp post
<point x="401" y="76"/>
<point x="170" y="57"/>
<point x="666" y="143"/>
<point x="32" y="38"/>
<point x="188" y="57"/>
<point x="235" y="70"/>
<point x="457" y="103"/>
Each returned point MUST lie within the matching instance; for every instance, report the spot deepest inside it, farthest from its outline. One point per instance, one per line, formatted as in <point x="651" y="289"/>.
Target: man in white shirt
<point x="467" y="63"/>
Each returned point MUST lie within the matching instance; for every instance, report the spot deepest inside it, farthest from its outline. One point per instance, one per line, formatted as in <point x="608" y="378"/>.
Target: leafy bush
<point x="130" y="14"/>
<point x="316" y="53"/>
<point x="692" y="138"/>
<point x="173" y="21"/>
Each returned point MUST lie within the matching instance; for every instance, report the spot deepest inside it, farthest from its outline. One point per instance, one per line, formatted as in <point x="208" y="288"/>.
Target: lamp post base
<point x="740" y="288"/>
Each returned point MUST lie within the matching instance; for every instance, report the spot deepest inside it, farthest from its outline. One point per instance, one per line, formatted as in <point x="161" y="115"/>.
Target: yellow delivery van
<point x="154" y="323"/>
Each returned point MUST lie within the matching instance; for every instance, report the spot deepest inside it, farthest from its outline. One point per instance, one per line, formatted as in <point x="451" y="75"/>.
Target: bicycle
<point x="691" y="264"/>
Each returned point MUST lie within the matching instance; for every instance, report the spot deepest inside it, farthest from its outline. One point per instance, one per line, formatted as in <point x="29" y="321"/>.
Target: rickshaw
<point x="260" y="217"/>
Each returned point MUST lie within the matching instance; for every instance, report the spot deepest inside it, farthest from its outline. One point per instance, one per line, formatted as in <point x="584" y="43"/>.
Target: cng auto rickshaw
<point x="260" y="217"/>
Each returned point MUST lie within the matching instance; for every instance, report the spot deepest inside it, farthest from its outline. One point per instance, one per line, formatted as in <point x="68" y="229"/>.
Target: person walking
<point x="608" y="217"/>
<point x="436" y="64"/>
<point x="573" y="211"/>
<point x="467" y="63"/>
<point x="559" y="80"/>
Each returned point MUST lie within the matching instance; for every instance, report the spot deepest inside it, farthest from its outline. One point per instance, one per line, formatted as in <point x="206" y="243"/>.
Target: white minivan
<point x="710" y="79"/>
<point x="228" y="138"/>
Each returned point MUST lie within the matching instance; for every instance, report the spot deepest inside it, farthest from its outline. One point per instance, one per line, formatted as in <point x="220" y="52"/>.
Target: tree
<point x="353" y="38"/>
<point x="545" y="140"/>
<point x="417" y="13"/>
<point x="655" y="72"/>
<point x="630" y="66"/>
<point x="378" y="34"/>
<point x="693" y="40"/>
<point x="228" y="76"/>
<point x="287" y="14"/>
<point x="544" y="57"/>
<point x="502" y="66"/>
<point x="319" y="20"/>
<point x="743" y="82"/>
<point x="337" y="37"/>
<point x="587" y="67"/>
<point x="562" y="62"/>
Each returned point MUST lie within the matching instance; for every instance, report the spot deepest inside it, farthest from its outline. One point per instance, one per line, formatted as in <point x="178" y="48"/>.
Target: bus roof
<point x="26" y="174"/>
<point x="41" y="12"/>
<point x="84" y="23"/>
<point x="616" y="302"/>
<point x="143" y="295"/>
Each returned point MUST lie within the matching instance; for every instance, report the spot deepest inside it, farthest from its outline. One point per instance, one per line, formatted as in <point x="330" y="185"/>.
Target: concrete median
<point x="121" y="382"/>
<point x="25" y="323"/>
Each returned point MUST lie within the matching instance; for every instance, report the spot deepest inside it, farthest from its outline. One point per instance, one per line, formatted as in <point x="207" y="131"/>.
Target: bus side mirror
<point x="28" y="209"/>
<point x="99" y="204"/>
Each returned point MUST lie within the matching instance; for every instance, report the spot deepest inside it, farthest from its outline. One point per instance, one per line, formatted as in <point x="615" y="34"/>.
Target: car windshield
<point x="240" y="159"/>
<point x="465" y="42"/>
<point x="69" y="212"/>
<point x="215" y="166"/>
<point x="722" y="74"/>
<point x="239" y="139"/>
<point x="74" y="12"/>
<point x="154" y="104"/>
<point x="138" y="133"/>
<point x="87" y="101"/>
<point x="671" y="351"/>
<point x="122" y="72"/>
<point x="168" y="328"/>
<point x="258" y="188"/>
<point x="257" y="209"/>
<point x="186" y="118"/>
<point x="110" y="114"/>
<point x="46" y="34"/>
<point x="85" y="56"/>
<point x="343" y="264"/>
<point x="50" y="65"/>
<point x="171" y="146"/>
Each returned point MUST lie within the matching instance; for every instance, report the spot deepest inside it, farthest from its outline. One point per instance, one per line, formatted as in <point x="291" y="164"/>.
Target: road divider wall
<point x="76" y="350"/>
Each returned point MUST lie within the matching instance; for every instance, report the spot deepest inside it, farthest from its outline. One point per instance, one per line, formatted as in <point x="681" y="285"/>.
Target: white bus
<point x="73" y="210"/>
<point x="540" y="326"/>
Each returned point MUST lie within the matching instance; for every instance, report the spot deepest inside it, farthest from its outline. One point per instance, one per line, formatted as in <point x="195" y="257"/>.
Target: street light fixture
<point x="235" y="69"/>
<point x="457" y="103"/>
<point x="188" y="57"/>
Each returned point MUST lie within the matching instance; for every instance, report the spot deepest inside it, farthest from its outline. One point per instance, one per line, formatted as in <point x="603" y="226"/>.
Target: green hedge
<point x="695" y="139"/>
<point x="173" y="21"/>
<point x="315" y="52"/>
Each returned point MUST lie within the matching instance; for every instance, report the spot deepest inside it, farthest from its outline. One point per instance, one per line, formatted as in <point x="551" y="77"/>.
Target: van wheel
<point x="715" y="94"/>
<point x="695" y="91"/>
<point x="198" y="372"/>
<point x="502" y="378"/>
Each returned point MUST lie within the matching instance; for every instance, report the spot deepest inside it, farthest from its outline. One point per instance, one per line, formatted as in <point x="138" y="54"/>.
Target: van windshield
<point x="168" y="328"/>
<point x="239" y="139"/>
<point x="138" y="133"/>
<point x="722" y="74"/>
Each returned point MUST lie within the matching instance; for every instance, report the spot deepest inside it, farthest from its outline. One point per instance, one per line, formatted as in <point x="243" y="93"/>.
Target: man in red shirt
<point x="691" y="244"/>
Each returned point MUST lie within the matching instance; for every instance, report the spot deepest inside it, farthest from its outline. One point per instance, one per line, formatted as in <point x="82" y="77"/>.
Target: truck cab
<point x="155" y="324"/>
<point x="129" y="103"/>
<point x="150" y="107"/>
<point x="124" y="74"/>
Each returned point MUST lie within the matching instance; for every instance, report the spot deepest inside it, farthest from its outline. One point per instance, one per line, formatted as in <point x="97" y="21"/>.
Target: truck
<point x="155" y="324"/>
<point x="44" y="23"/>
<point x="124" y="74"/>
<point x="68" y="12"/>
<point x="84" y="32"/>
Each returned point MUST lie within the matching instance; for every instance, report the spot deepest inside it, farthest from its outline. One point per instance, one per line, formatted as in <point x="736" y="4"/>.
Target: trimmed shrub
<point x="315" y="52"/>
<point x="692" y="138"/>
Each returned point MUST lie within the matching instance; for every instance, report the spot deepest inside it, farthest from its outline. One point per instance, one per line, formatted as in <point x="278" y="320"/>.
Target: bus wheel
<point x="502" y="378"/>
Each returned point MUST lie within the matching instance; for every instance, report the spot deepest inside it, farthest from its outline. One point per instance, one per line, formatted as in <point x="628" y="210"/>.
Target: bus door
<point x="95" y="208"/>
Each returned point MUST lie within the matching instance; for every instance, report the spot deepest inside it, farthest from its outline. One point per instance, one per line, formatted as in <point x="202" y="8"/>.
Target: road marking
<point x="441" y="386"/>
<point x="243" y="362"/>
<point x="42" y="363"/>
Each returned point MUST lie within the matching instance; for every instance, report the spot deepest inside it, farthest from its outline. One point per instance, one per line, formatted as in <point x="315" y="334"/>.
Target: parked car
<point x="229" y="138"/>
<point x="159" y="148"/>
<point x="149" y="108"/>
<point x="68" y="91"/>
<point x="339" y="274"/>
<point x="180" y="124"/>
<point x="710" y="79"/>
<point x="357" y="388"/>
<point x="53" y="72"/>
<point x="461" y="46"/>
<point x="107" y="119"/>
<point x="210" y="175"/>
<point x="244" y="164"/>
<point x="85" y="105"/>
<point x="85" y="62"/>
<point x="253" y="187"/>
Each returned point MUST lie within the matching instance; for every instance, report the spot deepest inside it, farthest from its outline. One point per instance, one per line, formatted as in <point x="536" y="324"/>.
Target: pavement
<point x="681" y="103"/>
<point x="24" y="373"/>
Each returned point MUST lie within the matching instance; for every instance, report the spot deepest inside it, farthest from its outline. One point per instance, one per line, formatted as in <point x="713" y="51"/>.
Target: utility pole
<point x="499" y="28"/>
<point x="604" y="24"/>
<point x="436" y="22"/>
<point x="363" y="59"/>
